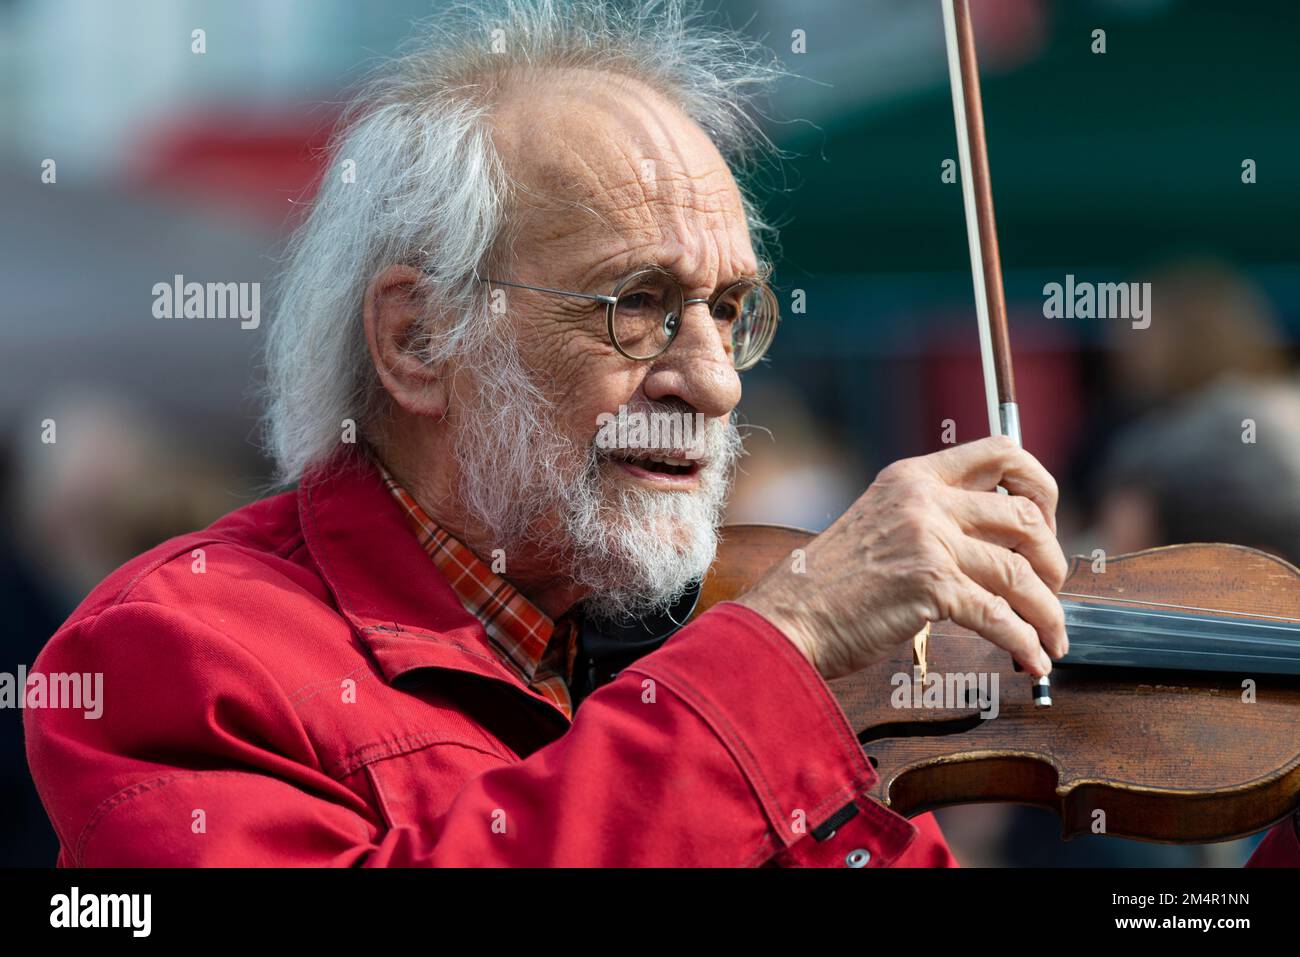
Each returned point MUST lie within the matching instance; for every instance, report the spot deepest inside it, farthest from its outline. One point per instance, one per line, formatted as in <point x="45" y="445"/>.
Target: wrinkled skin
<point x="930" y="540"/>
<point x="615" y="177"/>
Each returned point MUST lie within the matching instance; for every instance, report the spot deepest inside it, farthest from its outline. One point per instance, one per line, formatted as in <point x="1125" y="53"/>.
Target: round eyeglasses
<point x="645" y="311"/>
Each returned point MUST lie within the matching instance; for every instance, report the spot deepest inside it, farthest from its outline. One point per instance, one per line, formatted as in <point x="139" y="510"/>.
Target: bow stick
<point x="982" y="234"/>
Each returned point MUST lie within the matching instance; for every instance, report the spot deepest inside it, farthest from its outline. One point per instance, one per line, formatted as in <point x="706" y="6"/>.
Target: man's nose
<point x="696" y="368"/>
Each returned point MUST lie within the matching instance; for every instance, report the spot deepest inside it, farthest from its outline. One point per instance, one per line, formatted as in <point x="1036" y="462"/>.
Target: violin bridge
<point x="919" y="643"/>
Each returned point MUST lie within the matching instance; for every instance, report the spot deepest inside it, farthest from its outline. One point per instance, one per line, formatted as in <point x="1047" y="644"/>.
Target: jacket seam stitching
<point x="744" y="758"/>
<point x="829" y="708"/>
<point x="320" y="687"/>
<point x="399" y="629"/>
<point x="130" y="793"/>
<point x="358" y="758"/>
<point x="86" y="623"/>
<point x="381" y="799"/>
<point x="279" y="552"/>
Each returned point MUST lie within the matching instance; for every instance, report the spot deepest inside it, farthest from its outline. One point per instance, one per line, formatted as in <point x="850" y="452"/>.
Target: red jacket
<point x="297" y="685"/>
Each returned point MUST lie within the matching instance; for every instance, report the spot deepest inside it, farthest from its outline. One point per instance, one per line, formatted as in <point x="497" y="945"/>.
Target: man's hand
<point x="931" y="539"/>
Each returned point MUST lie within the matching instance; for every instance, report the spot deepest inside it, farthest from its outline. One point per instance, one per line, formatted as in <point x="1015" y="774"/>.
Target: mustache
<point x="674" y="429"/>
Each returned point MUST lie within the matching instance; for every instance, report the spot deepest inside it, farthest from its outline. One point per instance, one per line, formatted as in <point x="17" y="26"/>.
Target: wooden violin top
<point x="1153" y="753"/>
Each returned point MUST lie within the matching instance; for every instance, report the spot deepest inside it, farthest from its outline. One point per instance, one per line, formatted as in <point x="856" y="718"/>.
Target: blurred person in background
<point x="1219" y="465"/>
<point x="1208" y="320"/>
<point x="117" y="481"/>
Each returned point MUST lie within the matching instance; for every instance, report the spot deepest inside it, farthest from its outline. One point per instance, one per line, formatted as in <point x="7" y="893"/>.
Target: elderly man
<point x="422" y="655"/>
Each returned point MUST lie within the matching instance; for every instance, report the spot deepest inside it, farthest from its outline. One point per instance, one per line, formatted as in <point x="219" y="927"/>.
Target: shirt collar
<point x="520" y="630"/>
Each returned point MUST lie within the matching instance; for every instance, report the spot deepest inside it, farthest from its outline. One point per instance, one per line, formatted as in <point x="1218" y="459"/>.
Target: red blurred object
<point x="1010" y="32"/>
<point x="264" y="164"/>
<point x="1047" y="386"/>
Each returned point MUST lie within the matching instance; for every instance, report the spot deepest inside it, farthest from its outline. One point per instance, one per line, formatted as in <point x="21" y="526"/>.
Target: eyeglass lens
<point x="649" y="314"/>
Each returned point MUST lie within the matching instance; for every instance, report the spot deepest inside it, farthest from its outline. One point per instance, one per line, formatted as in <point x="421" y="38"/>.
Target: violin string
<point x="1162" y="604"/>
<point x="1150" y="614"/>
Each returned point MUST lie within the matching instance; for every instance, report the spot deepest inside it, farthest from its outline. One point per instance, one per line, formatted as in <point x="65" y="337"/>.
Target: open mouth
<point x="656" y="463"/>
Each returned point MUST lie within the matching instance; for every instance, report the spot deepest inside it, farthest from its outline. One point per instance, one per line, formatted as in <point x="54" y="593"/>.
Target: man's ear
<point x="392" y="311"/>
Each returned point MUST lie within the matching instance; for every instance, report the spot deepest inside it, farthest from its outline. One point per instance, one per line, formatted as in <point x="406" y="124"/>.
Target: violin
<point x="1174" y="717"/>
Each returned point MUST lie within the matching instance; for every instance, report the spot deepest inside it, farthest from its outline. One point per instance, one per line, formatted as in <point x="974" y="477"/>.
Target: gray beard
<point x="633" y="551"/>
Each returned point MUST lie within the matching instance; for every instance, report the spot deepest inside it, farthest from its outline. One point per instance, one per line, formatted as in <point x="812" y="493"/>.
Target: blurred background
<point x="126" y="159"/>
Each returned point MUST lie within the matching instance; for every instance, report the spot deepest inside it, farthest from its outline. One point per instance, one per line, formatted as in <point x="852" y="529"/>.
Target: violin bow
<point x="982" y="234"/>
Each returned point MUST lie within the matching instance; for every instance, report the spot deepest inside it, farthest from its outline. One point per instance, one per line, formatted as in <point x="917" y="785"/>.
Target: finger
<point x="985" y="464"/>
<point x="1014" y="522"/>
<point x="992" y="618"/>
<point x="1008" y="574"/>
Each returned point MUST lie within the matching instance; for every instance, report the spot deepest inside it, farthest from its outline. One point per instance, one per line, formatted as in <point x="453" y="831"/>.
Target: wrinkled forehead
<point x="602" y="162"/>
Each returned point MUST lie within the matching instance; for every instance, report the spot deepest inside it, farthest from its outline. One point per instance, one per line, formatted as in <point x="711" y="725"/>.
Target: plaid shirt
<point x="537" y="648"/>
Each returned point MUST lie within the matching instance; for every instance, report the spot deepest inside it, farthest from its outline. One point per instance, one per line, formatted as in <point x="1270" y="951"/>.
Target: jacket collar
<point x="520" y="631"/>
<point x="401" y="608"/>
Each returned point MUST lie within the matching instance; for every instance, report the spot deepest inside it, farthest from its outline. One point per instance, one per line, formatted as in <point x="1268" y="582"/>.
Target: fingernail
<point x="1045" y="663"/>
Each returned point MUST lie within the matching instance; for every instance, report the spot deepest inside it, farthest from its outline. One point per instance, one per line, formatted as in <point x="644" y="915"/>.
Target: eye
<point x="637" y="301"/>
<point x="649" y="298"/>
<point x="725" y="310"/>
<point x="733" y="304"/>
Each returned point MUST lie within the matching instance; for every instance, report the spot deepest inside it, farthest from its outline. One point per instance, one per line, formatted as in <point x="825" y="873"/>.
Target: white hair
<point x="414" y="178"/>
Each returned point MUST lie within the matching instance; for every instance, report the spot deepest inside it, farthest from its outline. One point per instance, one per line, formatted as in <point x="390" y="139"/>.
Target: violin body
<point x="1165" y="755"/>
